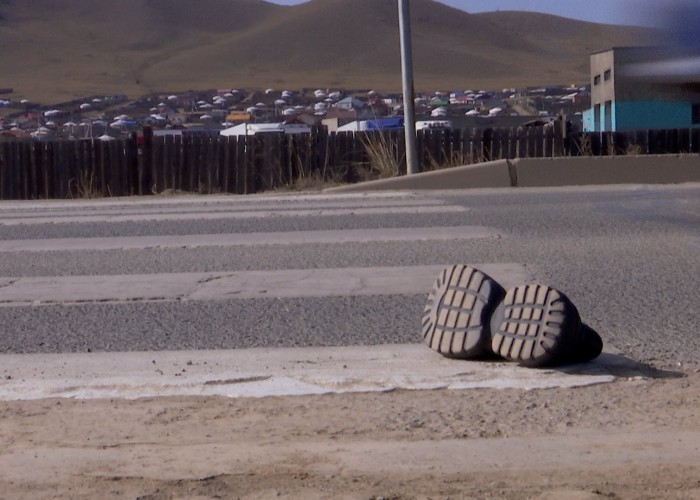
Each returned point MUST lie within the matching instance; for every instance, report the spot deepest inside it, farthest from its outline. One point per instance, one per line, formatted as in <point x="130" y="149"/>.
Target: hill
<point x="58" y="50"/>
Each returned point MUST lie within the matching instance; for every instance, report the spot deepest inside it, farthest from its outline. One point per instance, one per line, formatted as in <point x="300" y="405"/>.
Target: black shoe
<point x="456" y="321"/>
<point x="536" y="326"/>
<point x="587" y="346"/>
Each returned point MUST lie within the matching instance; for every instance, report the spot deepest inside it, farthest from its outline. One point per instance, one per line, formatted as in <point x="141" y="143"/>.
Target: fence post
<point x="695" y="140"/>
<point x="549" y="142"/>
<point x="100" y="171"/>
<point x="487" y="144"/>
<point x="157" y="165"/>
<point x="190" y="174"/>
<point x="34" y="169"/>
<point x="64" y="158"/>
<point x="25" y="155"/>
<point x="14" y="172"/>
<point x="146" y="164"/>
<point x="512" y="143"/>
<point x="131" y="165"/>
<point x="560" y="136"/>
<point x="673" y="141"/>
<point x="5" y="166"/>
<point x="539" y="142"/>
<point x="683" y="141"/>
<point x="239" y="164"/>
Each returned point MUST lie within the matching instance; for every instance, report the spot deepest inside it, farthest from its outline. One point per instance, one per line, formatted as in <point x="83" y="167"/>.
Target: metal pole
<point x="409" y="116"/>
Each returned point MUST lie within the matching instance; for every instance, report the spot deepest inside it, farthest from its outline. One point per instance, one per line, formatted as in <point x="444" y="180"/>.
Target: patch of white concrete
<point x="276" y="372"/>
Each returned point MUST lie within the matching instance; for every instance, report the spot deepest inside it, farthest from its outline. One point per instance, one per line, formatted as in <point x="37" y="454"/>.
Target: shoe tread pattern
<point x="456" y="319"/>
<point x="534" y="326"/>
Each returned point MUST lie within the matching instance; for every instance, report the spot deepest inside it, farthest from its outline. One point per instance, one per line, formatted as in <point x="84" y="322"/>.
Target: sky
<point x="634" y="12"/>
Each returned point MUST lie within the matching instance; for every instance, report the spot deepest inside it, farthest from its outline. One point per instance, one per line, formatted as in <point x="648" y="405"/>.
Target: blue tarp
<point x="394" y="123"/>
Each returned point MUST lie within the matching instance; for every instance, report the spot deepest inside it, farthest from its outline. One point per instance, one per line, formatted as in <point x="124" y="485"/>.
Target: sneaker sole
<point x="535" y="325"/>
<point x="456" y="320"/>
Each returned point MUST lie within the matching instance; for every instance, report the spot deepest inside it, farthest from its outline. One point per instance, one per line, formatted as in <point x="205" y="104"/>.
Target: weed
<point x="307" y="179"/>
<point x="456" y="159"/>
<point x="633" y="150"/>
<point x="84" y="186"/>
<point x="612" y="148"/>
<point x="585" y="148"/>
<point x="383" y="155"/>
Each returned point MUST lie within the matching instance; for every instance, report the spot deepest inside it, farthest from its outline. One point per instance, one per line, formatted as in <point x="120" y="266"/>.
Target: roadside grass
<point x="383" y="157"/>
<point x="454" y="159"/>
<point x="84" y="187"/>
<point x="306" y="178"/>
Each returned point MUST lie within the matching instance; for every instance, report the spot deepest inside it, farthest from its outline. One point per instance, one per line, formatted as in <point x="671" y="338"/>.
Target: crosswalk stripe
<point x="262" y="205"/>
<point x="237" y="214"/>
<point x="150" y="202"/>
<point x="289" y="283"/>
<point x="251" y="239"/>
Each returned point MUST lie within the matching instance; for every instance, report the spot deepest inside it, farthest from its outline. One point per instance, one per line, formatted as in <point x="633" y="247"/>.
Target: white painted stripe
<point x="275" y="372"/>
<point x="235" y="214"/>
<point x="292" y="283"/>
<point x="250" y="239"/>
<point x="8" y="216"/>
<point x="188" y="199"/>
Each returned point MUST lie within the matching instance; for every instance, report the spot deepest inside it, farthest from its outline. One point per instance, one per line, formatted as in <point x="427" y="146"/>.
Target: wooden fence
<point x="217" y="164"/>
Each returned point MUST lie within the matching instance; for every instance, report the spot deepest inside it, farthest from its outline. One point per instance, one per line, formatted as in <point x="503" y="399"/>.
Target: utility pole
<point x="409" y="116"/>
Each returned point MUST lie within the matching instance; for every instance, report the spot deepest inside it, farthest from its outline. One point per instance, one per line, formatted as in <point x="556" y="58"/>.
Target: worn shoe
<point x="536" y="325"/>
<point x="587" y="346"/>
<point x="456" y="321"/>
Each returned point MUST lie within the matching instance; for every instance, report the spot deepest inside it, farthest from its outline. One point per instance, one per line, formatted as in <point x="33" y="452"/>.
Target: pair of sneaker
<point x="470" y="316"/>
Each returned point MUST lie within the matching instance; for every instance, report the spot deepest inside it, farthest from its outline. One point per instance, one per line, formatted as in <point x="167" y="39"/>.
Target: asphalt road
<point x="628" y="256"/>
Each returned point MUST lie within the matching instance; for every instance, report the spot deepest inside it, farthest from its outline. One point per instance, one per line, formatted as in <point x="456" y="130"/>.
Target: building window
<point x="596" y="80"/>
<point x="696" y="114"/>
<point x="607" y="75"/>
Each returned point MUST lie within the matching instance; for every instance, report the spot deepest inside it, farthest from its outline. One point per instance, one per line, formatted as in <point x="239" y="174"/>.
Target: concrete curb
<point x="482" y="175"/>
<point x="546" y="172"/>
<point x="661" y="169"/>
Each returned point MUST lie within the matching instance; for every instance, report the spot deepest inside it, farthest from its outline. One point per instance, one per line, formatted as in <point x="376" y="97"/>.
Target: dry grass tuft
<point x="383" y="155"/>
<point x="634" y="150"/>
<point x="456" y="159"/>
<point x="585" y="148"/>
<point x="84" y="187"/>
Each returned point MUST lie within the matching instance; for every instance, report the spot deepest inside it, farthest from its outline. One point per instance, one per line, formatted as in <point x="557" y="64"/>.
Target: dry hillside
<point x="53" y="50"/>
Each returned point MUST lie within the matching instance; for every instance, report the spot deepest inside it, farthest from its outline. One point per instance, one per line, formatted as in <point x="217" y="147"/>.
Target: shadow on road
<point x="618" y="365"/>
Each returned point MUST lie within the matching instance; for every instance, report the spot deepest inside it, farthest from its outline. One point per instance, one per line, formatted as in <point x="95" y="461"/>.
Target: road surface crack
<point x="202" y="283"/>
<point x="9" y="283"/>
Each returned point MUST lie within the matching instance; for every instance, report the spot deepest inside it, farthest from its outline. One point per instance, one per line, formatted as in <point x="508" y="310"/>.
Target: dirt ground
<point x="635" y="438"/>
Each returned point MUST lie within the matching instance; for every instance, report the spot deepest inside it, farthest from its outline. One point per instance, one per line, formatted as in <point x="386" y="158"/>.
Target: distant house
<point x="394" y="123"/>
<point x="636" y="88"/>
<point x="433" y="124"/>
<point x="266" y="128"/>
<point x="350" y="103"/>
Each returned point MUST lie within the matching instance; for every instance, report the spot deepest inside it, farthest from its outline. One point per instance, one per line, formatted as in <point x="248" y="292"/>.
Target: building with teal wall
<point x="629" y="92"/>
